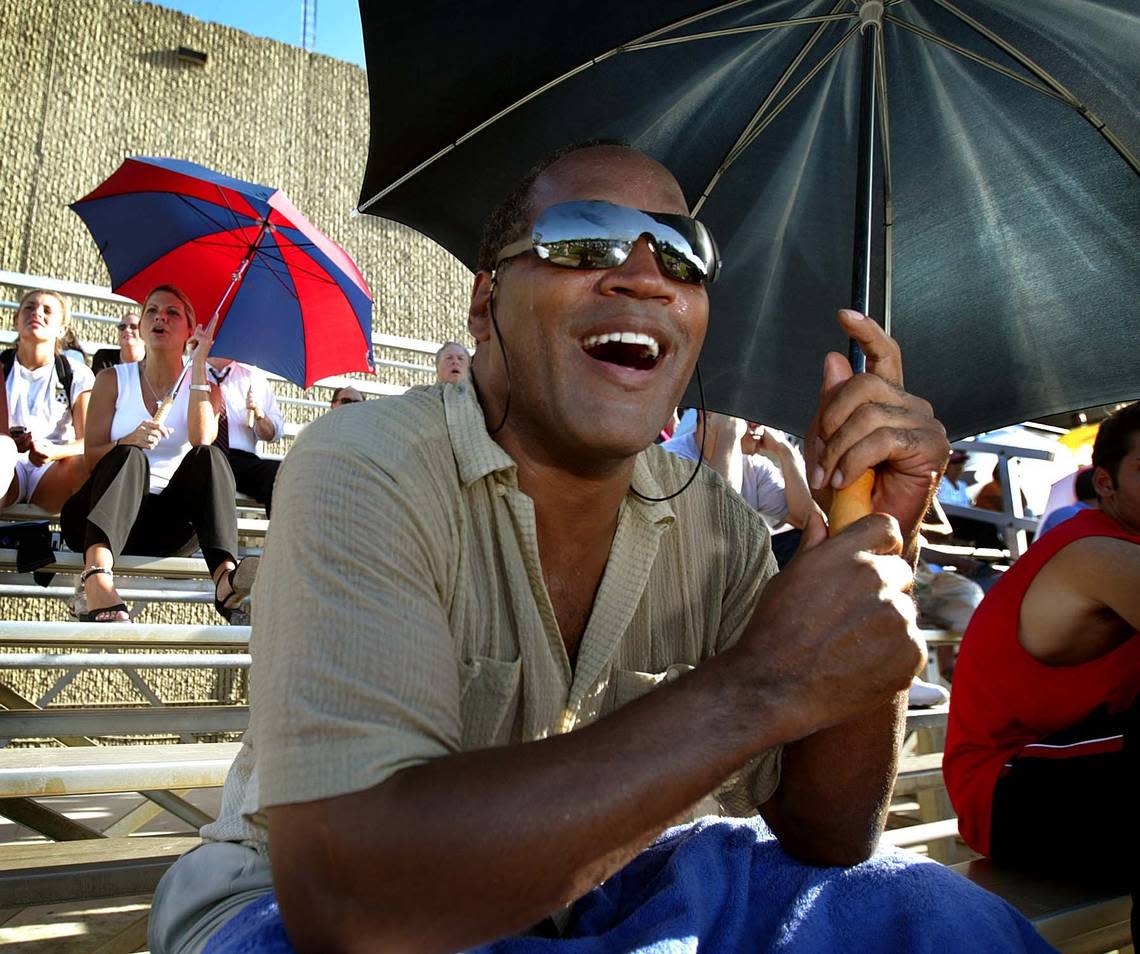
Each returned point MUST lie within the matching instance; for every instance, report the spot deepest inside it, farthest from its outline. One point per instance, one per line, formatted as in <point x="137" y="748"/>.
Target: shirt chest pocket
<point x="488" y="700"/>
<point x="625" y="685"/>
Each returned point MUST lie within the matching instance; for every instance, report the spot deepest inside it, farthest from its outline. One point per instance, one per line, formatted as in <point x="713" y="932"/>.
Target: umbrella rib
<point x="209" y="218"/>
<point x="534" y="94"/>
<point x="977" y="58"/>
<point x="222" y="193"/>
<point x="737" y="31"/>
<point x="317" y="273"/>
<point x="772" y="94"/>
<point x="779" y="108"/>
<point x="888" y="214"/>
<point x="1061" y="90"/>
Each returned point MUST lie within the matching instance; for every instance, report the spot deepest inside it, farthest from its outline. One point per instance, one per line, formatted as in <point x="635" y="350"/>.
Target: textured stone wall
<point x="86" y="83"/>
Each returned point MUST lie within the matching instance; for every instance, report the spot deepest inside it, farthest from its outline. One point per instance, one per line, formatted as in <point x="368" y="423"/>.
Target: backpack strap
<point x="7" y="359"/>
<point x="66" y="377"/>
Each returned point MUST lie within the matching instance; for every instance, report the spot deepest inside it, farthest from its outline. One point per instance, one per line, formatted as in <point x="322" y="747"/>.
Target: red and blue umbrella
<point x="286" y="297"/>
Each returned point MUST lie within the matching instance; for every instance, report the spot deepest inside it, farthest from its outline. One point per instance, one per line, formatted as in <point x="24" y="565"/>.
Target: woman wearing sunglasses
<point x="131" y="346"/>
<point x="47" y="393"/>
<point x="155" y="488"/>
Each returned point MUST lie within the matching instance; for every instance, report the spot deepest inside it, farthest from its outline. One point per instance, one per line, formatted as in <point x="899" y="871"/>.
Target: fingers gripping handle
<point x="851" y="503"/>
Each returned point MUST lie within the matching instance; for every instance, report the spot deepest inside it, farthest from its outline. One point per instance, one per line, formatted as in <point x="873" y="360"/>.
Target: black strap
<point x="63" y="371"/>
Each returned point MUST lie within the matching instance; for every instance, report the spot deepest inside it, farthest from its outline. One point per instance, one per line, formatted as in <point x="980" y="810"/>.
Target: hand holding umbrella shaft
<point x="869" y="422"/>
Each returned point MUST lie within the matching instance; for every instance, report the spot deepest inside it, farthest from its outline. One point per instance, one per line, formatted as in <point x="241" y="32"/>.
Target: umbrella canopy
<point x="1012" y="194"/>
<point x="302" y="309"/>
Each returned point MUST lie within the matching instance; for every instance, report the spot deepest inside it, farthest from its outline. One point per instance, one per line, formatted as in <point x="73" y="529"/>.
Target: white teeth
<point x="623" y="337"/>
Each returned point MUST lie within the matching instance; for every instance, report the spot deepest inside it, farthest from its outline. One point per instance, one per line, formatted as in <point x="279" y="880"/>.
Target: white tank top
<point x="130" y="411"/>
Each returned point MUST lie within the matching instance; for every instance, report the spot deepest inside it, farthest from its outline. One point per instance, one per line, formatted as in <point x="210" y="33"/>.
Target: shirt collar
<point x="477" y="455"/>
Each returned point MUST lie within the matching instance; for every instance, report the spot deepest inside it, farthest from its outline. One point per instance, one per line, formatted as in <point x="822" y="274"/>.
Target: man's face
<point x="570" y="394"/>
<point x="1121" y="498"/>
<point x="452" y="363"/>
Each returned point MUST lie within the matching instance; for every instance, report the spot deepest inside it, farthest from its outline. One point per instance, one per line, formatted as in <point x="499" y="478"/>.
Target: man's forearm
<point x="835" y="788"/>
<point x="500" y="838"/>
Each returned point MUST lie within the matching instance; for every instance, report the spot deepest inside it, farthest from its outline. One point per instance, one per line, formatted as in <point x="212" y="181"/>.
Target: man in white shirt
<point x="249" y="414"/>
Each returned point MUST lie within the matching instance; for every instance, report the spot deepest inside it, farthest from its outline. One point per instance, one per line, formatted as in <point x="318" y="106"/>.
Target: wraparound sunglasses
<point x="595" y="234"/>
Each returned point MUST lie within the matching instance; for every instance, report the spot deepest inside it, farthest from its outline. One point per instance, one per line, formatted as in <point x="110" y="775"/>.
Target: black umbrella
<point x="1007" y="212"/>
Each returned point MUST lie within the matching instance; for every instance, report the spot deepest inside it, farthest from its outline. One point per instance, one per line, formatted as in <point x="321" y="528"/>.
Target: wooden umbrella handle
<point x="851" y="503"/>
<point x="163" y="409"/>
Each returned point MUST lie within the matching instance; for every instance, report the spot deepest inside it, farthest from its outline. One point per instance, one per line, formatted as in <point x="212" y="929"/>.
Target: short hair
<point x="508" y="220"/>
<point x="449" y="344"/>
<point x="339" y="391"/>
<point x="1113" y="439"/>
<point x="64" y="310"/>
<point x="1083" y="486"/>
<point x="187" y="304"/>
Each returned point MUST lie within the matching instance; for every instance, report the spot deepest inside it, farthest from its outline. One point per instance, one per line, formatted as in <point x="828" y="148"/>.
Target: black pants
<point x="254" y="476"/>
<point x="114" y="507"/>
<point x="1075" y="818"/>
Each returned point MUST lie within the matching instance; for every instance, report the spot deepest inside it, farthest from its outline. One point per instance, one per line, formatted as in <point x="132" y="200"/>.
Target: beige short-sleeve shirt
<point x="400" y="613"/>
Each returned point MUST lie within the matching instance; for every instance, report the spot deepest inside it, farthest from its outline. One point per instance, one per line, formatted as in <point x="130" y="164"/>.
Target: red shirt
<point x="1003" y="699"/>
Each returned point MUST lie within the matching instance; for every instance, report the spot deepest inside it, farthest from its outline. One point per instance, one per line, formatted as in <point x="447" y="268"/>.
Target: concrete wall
<point x="85" y="83"/>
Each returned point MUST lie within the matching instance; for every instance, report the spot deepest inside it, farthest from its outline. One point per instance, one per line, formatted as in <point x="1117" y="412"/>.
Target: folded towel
<point x="725" y="885"/>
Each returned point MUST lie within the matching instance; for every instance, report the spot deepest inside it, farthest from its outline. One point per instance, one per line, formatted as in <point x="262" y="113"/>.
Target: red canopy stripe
<point x="133" y="176"/>
<point x="339" y="333"/>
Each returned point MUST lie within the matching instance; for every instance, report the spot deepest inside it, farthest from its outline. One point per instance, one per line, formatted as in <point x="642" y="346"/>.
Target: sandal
<point x="116" y="613"/>
<point x="241" y="579"/>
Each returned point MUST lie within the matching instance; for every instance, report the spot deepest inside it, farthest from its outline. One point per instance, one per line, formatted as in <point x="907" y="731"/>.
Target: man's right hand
<point x="834" y="633"/>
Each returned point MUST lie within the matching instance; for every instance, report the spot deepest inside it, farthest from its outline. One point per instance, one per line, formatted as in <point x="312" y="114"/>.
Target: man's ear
<point x="479" y="314"/>
<point x="1103" y="483"/>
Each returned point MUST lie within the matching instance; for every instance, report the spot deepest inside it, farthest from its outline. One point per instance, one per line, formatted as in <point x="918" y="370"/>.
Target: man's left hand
<point x="868" y="421"/>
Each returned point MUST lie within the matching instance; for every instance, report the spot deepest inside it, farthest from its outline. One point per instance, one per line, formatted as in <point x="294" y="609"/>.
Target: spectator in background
<point x="248" y="414"/>
<point x="155" y="487"/>
<point x="8" y="453"/>
<point x="990" y="496"/>
<point x="756" y="461"/>
<point x="131" y="347"/>
<point x="452" y="362"/>
<point x="952" y="489"/>
<point x="1085" y="490"/>
<point x="47" y="394"/>
<point x="346" y="395"/>
<point x="1041" y="758"/>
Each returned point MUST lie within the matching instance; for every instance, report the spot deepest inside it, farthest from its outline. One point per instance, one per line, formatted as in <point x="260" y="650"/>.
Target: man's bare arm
<point x="1083" y="603"/>
<point x="499" y="838"/>
<point x="835" y="785"/>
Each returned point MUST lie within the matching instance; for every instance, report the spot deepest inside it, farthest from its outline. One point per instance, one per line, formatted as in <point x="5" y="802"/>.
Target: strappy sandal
<point x="117" y="613"/>
<point x="241" y="579"/>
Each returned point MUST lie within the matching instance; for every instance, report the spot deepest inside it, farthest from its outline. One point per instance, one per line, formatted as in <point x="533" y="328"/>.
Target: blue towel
<point x="724" y="885"/>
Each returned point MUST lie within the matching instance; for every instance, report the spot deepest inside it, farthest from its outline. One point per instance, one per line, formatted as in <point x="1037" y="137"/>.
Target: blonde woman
<point x="155" y="487"/>
<point x="47" y="394"/>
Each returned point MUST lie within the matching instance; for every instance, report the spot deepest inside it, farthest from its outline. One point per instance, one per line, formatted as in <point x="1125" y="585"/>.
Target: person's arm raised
<point x="835" y="785"/>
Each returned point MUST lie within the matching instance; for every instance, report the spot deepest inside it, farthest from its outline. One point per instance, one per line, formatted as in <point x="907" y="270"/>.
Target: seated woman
<point x="47" y="394"/>
<point x="154" y="486"/>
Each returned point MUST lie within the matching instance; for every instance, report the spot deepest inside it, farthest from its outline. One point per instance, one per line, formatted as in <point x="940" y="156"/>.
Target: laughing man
<point x="491" y="668"/>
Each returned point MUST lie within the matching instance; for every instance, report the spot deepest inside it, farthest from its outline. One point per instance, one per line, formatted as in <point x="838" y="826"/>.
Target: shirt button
<point x="500" y="490"/>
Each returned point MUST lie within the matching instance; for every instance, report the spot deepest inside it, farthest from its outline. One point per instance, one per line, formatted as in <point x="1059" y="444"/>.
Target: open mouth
<point x="626" y="349"/>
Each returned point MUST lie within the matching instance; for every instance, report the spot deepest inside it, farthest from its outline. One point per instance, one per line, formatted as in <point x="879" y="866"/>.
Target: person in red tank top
<point x="1041" y="744"/>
